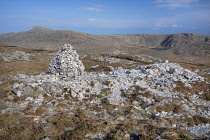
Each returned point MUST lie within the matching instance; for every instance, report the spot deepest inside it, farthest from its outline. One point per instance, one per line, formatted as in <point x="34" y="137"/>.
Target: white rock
<point x="29" y="99"/>
<point x="15" y="85"/>
<point x="19" y="93"/>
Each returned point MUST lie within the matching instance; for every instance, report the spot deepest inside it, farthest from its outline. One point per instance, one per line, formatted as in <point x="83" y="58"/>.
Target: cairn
<point x="66" y="65"/>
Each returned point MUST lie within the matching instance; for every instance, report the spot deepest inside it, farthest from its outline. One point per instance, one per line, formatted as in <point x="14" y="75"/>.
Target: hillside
<point x="189" y="47"/>
<point x="61" y="96"/>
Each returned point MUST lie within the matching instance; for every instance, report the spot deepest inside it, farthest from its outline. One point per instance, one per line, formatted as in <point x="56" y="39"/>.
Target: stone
<point x="29" y="99"/>
<point x="94" y="67"/>
<point x="135" y="103"/>
<point x="185" y="107"/>
<point x="45" y="138"/>
<point x="113" y="101"/>
<point x="15" y="85"/>
<point x="121" y="118"/>
<point x="134" y="134"/>
<point x="51" y="88"/>
<point x="46" y="127"/>
<point x="28" y="91"/>
<point x="22" y="76"/>
<point x="81" y="96"/>
<point x="87" y="135"/>
<point x="127" y="136"/>
<point x="19" y="93"/>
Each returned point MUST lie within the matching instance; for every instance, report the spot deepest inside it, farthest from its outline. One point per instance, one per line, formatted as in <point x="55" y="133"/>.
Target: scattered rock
<point x="146" y="87"/>
<point x="17" y="55"/>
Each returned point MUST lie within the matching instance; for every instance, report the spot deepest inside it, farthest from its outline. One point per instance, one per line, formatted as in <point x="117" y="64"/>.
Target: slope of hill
<point x="117" y="96"/>
<point x="191" y="47"/>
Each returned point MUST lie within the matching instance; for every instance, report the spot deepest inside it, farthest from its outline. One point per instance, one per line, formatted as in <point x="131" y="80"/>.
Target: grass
<point x="197" y="88"/>
<point x="102" y="65"/>
<point x="37" y="65"/>
<point x="130" y="58"/>
<point x="200" y="120"/>
<point x="76" y="123"/>
<point x="16" y="127"/>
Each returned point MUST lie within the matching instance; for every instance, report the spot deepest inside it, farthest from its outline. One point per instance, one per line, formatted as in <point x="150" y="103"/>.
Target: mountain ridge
<point x="185" y="44"/>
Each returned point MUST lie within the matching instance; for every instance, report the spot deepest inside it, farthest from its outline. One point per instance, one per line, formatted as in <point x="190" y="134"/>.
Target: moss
<point x="199" y="119"/>
<point x="170" y="135"/>
<point x="147" y="94"/>
<point x="106" y="105"/>
<point x="17" y="99"/>
<point x="197" y="87"/>
<point x="87" y="90"/>
<point x="185" y="137"/>
<point x="18" y="127"/>
<point x="190" y="121"/>
<point x="144" y="104"/>
<point x="107" y="83"/>
<point x="66" y="96"/>
<point x="168" y="108"/>
<point x="138" y="88"/>
<point x="96" y="108"/>
<point x="105" y="92"/>
<point x="206" y="95"/>
<point x="123" y="94"/>
<point x="45" y="95"/>
<point x="57" y="95"/>
<point x="41" y="110"/>
<point x="92" y="84"/>
<point x="178" y="109"/>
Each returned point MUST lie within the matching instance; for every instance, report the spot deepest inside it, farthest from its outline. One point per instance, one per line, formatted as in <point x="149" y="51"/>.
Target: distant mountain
<point x="185" y="44"/>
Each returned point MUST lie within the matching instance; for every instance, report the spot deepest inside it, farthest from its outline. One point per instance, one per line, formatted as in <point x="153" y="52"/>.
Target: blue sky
<point x="107" y="16"/>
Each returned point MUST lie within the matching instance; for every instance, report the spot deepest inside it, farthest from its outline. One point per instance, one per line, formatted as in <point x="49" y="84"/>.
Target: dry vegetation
<point x="36" y="66"/>
<point x="76" y="124"/>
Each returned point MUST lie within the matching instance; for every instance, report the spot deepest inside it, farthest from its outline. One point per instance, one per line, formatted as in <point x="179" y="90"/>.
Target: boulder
<point x="21" y="89"/>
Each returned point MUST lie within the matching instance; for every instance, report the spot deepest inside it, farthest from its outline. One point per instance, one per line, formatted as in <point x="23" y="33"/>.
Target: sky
<point x="107" y="16"/>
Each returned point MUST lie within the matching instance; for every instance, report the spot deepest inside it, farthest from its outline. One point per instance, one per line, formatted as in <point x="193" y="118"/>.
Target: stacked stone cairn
<point x="66" y="65"/>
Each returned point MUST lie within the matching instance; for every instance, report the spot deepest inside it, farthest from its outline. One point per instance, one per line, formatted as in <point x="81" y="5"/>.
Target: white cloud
<point x="196" y="19"/>
<point x="175" y="25"/>
<point x="173" y="4"/>
<point x="161" y="26"/>
<point x="92" y="9"/>
<point x="158" y="25"/>
<point x="97" y="8"/>
<point x="91" y="19"/>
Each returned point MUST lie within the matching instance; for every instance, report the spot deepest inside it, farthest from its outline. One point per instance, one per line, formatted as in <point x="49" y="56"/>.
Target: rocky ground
<point x="111" y="96"/>
<point x="17" y="55"/>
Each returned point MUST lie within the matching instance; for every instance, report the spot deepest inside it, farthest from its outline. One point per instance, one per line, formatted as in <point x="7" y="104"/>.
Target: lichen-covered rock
<point x="66" y="64"/>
